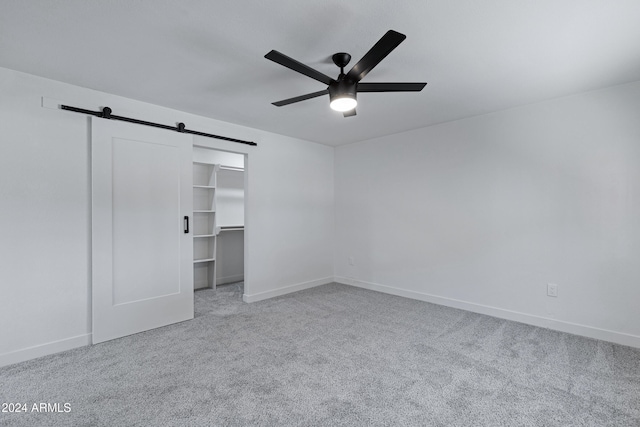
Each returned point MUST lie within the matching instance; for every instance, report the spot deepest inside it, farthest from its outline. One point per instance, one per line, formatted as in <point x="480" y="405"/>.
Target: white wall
<point x="482" y="213"/>
<point x="230" y="197"/>
<point x="45" y="210"/>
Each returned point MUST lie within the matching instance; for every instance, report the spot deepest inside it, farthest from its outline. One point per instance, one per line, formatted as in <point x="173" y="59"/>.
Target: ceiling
<point x="207" y="57"/>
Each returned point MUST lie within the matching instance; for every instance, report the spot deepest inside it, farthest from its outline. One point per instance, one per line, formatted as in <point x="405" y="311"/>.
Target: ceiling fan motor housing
<point x="341" y="89"/>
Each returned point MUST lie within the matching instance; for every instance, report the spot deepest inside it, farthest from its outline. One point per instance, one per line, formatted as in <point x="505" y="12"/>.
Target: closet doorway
<point x="218" y="217"/>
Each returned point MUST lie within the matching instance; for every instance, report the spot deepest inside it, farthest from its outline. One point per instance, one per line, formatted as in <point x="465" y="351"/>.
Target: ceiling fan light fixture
<point x="344" y="103"/>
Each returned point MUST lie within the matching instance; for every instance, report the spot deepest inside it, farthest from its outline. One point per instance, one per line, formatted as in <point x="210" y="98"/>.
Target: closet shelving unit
<point x="204" y="224"/>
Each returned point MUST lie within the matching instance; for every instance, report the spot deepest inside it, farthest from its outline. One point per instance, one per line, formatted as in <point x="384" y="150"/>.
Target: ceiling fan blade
<point x="377" y="53"/>
<point x="349" y="113"/>
<point x="294" y="65"/>
<point x="300" y="98"/>
<point x="390" y="87"/>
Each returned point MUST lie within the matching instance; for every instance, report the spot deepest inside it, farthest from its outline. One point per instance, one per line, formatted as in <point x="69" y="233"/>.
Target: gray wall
<point x="482" y="213"/>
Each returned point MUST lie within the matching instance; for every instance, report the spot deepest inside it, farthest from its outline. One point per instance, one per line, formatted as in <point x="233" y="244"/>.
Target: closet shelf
<point x="205" y="186"/>
<point x="203" y="211"/>
<point x="196" y="261"/>
<point x="195" y="236"/>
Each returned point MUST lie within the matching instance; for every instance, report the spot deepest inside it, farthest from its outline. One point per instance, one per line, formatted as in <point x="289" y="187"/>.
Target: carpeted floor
<point x="332" y="355"/>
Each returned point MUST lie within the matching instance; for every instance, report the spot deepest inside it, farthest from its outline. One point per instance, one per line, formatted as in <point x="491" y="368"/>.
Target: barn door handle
<point x="186" y="224"/>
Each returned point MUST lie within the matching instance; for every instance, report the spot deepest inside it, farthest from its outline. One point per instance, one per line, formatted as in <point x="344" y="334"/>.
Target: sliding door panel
<point x="142" y="257"/>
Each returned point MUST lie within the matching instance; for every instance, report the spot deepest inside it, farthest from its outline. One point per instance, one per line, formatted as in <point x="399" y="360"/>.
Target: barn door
<point x="142" y="250"/>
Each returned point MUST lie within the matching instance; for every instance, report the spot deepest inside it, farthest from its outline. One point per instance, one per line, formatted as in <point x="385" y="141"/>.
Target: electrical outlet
<point x="552" y="290"/>
<point x="352" y="261"/>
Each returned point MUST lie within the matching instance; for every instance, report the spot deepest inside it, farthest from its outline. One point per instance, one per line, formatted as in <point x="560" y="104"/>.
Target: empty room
<point x="364" y="213"/>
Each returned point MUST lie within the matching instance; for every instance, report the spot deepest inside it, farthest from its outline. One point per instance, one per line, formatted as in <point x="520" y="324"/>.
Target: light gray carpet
<point x="333" y="355"/>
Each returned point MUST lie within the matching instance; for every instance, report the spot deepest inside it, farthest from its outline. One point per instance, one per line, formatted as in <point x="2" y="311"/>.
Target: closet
<point x="218" y="217"/>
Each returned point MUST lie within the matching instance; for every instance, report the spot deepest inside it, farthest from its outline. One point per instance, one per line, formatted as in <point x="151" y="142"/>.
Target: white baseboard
<point x="44" y="349"/>
<point x="286" y="290"/>
<point x="230" y="279"/>
<point x="530" y="319"/>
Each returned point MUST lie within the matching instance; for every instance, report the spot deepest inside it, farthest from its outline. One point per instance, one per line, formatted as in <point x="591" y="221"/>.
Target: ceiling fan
<point x="343" y="90"/>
